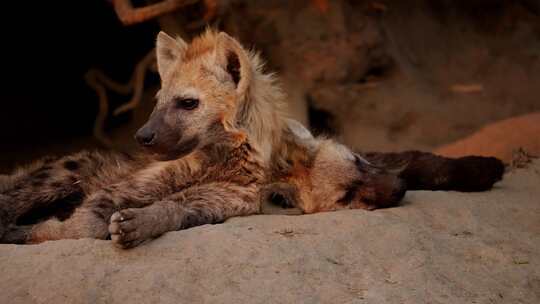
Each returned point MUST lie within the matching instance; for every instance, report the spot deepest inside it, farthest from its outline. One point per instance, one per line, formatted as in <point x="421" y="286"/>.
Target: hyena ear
<point x="168" y="50"/>
<point x="234" y="59"/>
<point x="298" y="129"/>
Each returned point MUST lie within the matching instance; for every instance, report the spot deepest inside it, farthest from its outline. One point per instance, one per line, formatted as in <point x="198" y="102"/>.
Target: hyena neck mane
<point x="261" y="112"/>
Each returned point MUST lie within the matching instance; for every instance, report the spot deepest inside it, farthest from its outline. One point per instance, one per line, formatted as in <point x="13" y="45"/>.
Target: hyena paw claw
<point x="127" y="228"/>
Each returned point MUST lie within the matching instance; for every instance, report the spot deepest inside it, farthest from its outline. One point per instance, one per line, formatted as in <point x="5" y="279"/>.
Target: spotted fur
<point x="217" y="145"/>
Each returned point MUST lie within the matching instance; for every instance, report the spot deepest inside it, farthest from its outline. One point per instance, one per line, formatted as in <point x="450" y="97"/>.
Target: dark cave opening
<point x="45" y="97"/>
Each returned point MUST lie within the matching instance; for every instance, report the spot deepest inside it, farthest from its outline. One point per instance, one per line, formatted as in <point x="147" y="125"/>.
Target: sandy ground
<point x="439" y="247"/>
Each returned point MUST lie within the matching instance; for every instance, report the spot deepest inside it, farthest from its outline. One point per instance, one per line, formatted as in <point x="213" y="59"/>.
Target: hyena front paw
<point x="129" y="228"/>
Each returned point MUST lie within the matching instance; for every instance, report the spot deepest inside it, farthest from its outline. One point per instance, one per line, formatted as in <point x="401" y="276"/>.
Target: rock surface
<point x="439" y="247"/>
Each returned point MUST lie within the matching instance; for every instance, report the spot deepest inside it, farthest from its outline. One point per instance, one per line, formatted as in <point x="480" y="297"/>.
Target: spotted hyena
<point x="217" y="145"/>
<point x="318" y="174"/>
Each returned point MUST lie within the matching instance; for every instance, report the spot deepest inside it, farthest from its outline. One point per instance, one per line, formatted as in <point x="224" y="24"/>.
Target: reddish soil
<point x="499" y="139"/>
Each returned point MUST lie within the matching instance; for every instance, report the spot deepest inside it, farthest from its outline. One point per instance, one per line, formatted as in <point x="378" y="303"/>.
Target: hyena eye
<point x="186" y="103"/>
<point x="347" y="197"/>
<point x="350" y="192"/>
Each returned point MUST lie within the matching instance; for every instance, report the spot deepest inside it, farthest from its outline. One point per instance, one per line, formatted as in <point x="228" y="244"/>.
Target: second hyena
<point x="322" y="175"/>
<point x="217" y="145"/>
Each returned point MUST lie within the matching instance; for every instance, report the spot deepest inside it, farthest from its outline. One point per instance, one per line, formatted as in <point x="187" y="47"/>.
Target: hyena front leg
<point x="206" y="204"/>
<point x="427" y="171"/>
<point x="91" y="219"/>
<point x="140" y="190"/>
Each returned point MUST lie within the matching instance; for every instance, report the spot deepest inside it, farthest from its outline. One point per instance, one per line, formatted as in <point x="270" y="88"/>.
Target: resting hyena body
<point x="203" y="166"/>
<point x="94" y="195"/>
<point x="319" y="174"/>
<point x="217" y="146"/>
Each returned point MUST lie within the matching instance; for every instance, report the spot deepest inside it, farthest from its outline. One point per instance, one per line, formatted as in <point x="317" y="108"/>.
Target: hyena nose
<point x="145" y="137"/>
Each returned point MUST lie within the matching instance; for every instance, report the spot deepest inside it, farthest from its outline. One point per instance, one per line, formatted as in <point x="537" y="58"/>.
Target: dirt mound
<point x="499" y="139"/>
<point x="404" y="75"/>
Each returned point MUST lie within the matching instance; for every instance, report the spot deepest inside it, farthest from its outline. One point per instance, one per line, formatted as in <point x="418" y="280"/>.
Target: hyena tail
<point x="427" y="171"/>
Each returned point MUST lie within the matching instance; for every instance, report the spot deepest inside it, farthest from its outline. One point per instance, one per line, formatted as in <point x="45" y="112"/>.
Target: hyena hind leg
<point x="47" y="185"/>
<point x="39" y="184"/>
<point x="84" y="223"/>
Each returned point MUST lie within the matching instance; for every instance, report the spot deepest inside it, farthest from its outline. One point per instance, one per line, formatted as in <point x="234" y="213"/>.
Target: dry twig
<point x="100" y="82"/>
<point x="520" y="158"/>
<point x="137" y="82"/>
<point x="467" y="88"/>
<point x="99" y="134"/>
<point x="130" y="15"/>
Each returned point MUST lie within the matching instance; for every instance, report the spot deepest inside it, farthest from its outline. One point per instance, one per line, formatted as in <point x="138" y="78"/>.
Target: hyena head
<point x="342" y="179"/>
<point x="202" y="85"/>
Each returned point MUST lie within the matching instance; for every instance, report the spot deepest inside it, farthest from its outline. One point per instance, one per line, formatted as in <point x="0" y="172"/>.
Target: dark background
<point x="378" y="75"/>
<point x="48" y="47"/>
